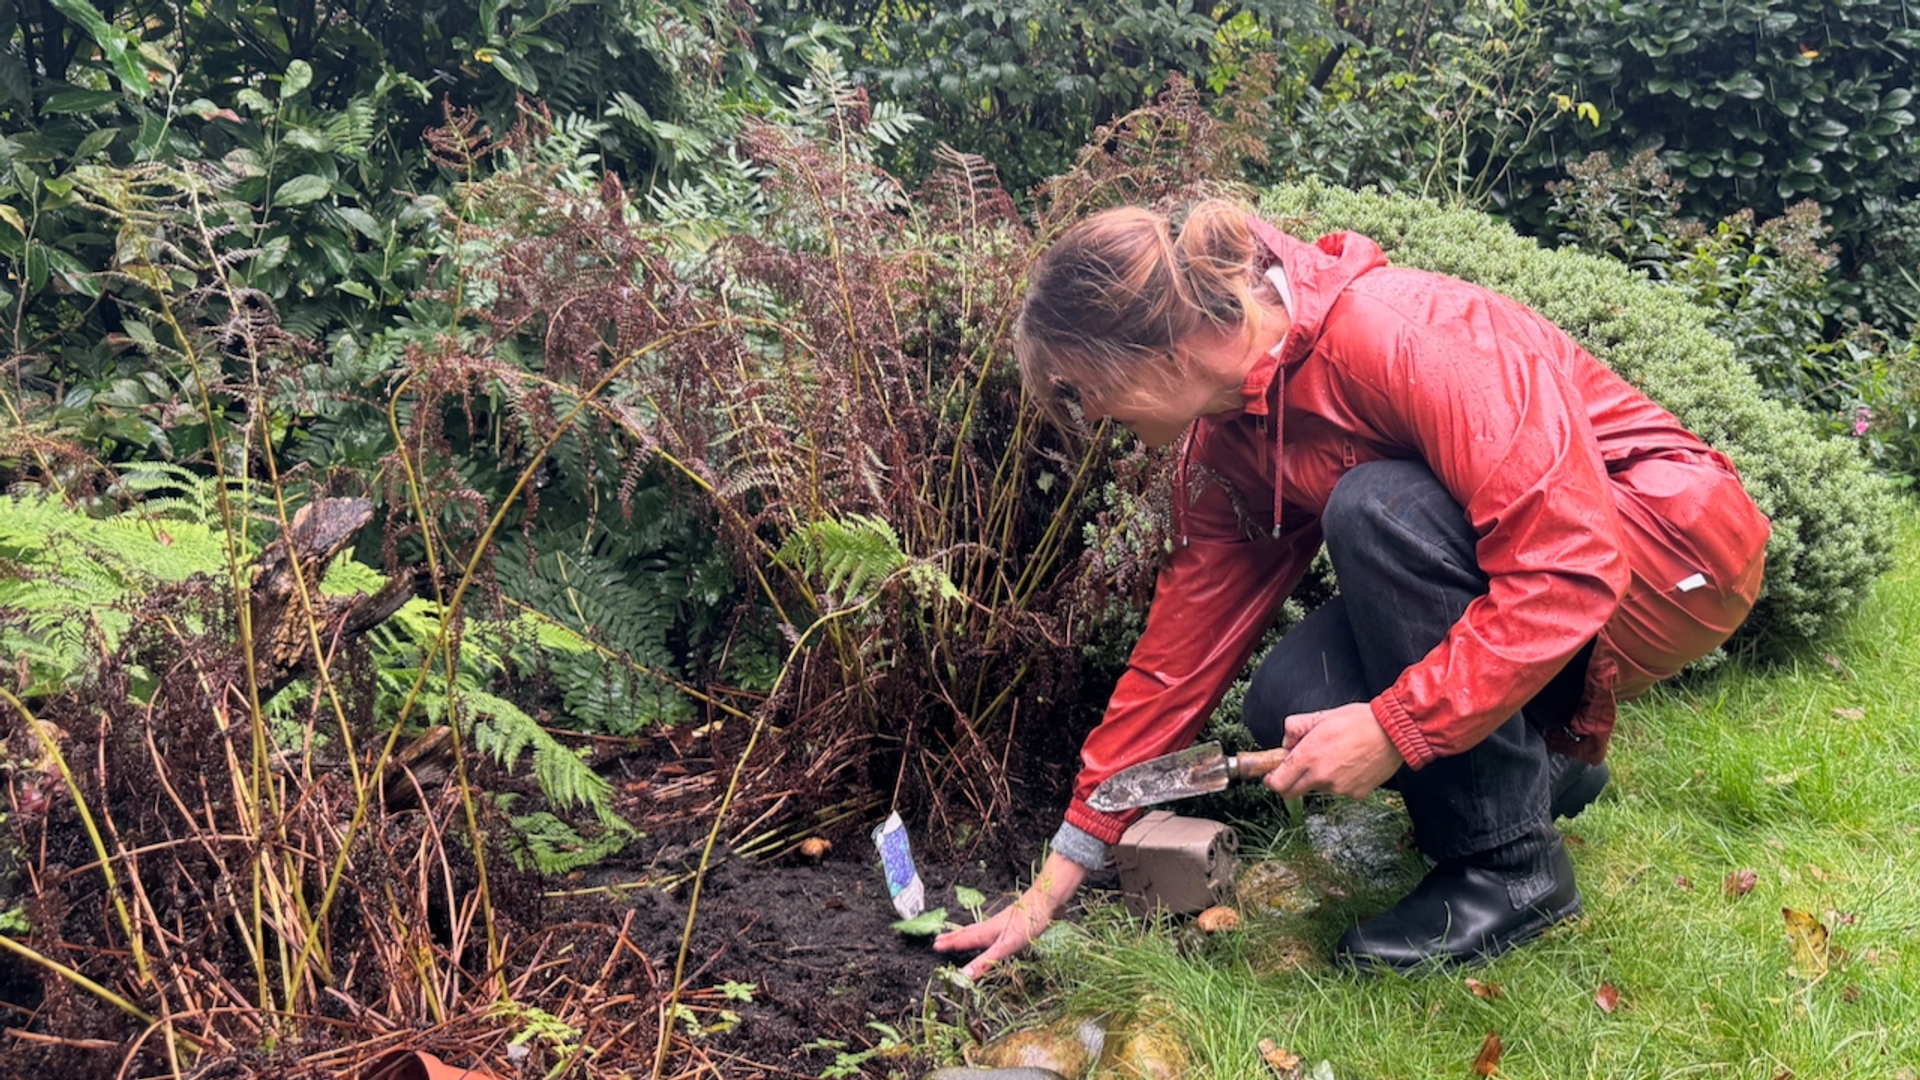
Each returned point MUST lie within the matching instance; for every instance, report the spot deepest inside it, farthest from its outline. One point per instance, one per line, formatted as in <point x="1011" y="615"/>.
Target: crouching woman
<point x="1520" y="538"/>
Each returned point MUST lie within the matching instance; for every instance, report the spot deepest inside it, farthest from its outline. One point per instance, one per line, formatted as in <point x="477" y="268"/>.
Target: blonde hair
<point x="1118" y="292"/>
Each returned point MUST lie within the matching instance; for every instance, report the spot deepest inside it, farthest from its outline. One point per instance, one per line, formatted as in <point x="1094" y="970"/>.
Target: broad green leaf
<point x="36" y="266"/>
<point x="253" y="101"/>
<point x="517" y="75"/>
<point x="971" y="899"/>
<point x="306" y="139"/>
<point x="923" y="924"/>
<point x="299" y="76"/>
<point x="12" y="217"/>
<point x="301" y="190"/>
<point x="244" y="164"/>
<point x="79" y="101"/>
<point x="95" y="142"/>
<point x="113" y="44"/>
<point x="361" y="221"/>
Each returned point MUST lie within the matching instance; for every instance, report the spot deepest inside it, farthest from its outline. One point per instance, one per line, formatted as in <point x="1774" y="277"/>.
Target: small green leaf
<point x="95" y="142"/>
<point x="301" y="190"/>
<point x="525" y="80"/>
<point x="113" y="44"/>
<point x="923" y="924"/>
<point x="244" y="164"/>
<point x="12" y="217"/>
<point x="36" y="266"/>
<point x="309" y="140"/>
<point x="361" y="222"/>
<point x="971" y="899"/>
<point x="299" y="76"/>
<point x="79" y="101"/>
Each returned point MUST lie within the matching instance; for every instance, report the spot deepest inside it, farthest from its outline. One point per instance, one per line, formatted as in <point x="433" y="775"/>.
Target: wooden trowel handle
<point x="1255" y="764"/>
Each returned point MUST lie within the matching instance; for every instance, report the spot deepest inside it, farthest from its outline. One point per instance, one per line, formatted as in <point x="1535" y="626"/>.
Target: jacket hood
<point x="1317" y="274"/>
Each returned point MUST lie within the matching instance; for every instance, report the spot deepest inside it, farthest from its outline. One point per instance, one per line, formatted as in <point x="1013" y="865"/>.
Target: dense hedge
<point x="1832" y="517"/>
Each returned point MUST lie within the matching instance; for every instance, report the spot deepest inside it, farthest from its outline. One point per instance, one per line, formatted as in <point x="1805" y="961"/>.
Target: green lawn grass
<point x="1805" y="772"/>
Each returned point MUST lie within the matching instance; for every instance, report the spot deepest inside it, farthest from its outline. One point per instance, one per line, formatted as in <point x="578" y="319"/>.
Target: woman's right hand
<point x="1014" y="928"/>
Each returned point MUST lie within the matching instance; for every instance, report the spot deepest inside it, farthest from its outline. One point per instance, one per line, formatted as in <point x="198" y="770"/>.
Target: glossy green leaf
<point x="299" y="76"/>
<point x="95" y="142"/>
<point x="361" y="222"/>
<point x="301" y="190"/>
<point x="113" y="44"/>
<point x="70" y="102"/>
<point x="516" y="75"/>
<point x="36" y="266"/>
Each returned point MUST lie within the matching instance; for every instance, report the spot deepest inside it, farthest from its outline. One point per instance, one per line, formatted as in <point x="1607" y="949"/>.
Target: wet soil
<point x="813" y="937"/>
<point x="816" y="944"/>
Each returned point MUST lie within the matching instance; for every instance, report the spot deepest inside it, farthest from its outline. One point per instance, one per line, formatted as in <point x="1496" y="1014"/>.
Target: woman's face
<point x="1202" y="377"/>
<point x="1157" y="410"/>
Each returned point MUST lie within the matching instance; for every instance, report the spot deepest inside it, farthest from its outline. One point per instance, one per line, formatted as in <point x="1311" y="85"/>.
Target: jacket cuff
<point x="1407" y="736"/>
<point x="1106" y="828"/>
<point x="1079" y="846"/>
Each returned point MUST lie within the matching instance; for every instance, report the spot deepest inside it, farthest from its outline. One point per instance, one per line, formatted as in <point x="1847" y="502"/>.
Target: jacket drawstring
<point x="1180" y="486"/>
<point x="1279" y="444"/>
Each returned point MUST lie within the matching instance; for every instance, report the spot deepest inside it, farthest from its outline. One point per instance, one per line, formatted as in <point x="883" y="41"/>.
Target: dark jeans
<point x="1403" y="552"/>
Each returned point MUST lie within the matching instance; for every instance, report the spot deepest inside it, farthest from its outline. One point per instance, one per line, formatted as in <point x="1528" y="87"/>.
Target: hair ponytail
<point x="1111" y="299"/>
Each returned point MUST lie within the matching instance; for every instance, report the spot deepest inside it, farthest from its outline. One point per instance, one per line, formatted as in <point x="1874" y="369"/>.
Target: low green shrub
<point x="1832" y="515"/>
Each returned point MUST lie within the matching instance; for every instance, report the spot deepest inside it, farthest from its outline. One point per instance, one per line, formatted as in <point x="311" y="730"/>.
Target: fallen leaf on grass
<point x="1833" y="662"/>
<point x="1807" y="941"/>
<point x="1818" y="874"/>
<point x="1218" y="919"/>
<point x="927" y="922"/>
<point x="1485" y="991"/>
<point x="1285" y="1065"/>
<point x="1608" y="997"/>
<point x="1851" y="714"/>
<point x="1487" y="1062"/>
<point x="1682" y="881"/>
<point x="1850" y="995"/>
<point x="1739" y="883"/>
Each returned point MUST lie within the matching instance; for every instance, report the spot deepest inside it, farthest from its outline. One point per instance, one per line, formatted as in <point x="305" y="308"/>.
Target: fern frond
<point x="71" y="579"/>
<point x="852" y="558"/>
<point x="505" y="732"/>
<point x="553" y="847"/>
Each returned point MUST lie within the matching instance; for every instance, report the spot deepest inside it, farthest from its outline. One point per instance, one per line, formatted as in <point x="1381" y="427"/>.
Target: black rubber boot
<point x="1472" y="909"/>
<point x="1575" y="784"/>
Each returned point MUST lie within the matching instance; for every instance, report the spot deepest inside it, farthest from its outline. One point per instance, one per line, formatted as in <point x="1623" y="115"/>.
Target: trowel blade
<point x="1197" y="770"/>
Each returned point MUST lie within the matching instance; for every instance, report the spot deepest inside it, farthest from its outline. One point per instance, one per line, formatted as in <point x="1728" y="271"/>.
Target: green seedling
<point x="924" y="924"/>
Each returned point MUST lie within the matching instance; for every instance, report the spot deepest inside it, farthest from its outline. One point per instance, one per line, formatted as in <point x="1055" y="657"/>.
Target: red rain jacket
<point x="1598" y="515"/>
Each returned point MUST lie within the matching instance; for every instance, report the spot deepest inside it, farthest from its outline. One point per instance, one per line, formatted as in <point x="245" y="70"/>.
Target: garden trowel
<point x="1198" y="770"/>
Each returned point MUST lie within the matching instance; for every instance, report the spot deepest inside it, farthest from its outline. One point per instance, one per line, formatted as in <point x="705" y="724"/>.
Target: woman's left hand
<point x="1344" y="751"/>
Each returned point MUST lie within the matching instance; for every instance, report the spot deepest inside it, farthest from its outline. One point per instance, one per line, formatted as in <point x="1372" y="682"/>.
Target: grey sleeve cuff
<point x="1080" y="846"/>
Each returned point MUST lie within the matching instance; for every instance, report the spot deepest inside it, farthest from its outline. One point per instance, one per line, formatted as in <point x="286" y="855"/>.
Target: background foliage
<point x="670" y="343"/>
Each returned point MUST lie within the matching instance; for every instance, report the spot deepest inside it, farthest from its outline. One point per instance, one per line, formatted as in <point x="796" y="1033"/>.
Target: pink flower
<point x="1862" y="417"/>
